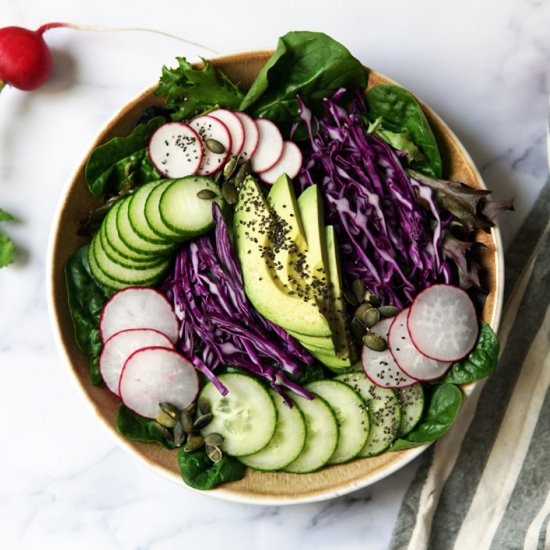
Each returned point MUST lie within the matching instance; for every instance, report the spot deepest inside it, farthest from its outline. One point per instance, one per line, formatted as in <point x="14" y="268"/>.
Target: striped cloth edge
<point x="485" y="484"/>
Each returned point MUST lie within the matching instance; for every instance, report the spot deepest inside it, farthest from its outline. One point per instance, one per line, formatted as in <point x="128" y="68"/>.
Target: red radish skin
<point x="270" y="146"/>
<point x="175" y="149"/>
<point x="120" y="346"/>
<point x="138" y="307"/>
<point x="235" y="127"/>
<point x="251" y="136"/>
<point x="409" y="359"/>
<point x="157" y="375"/>
<point x="442" y="323"/>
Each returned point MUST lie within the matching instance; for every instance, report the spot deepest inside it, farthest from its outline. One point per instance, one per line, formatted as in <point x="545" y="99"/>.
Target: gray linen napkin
<point x="486" y="484"/>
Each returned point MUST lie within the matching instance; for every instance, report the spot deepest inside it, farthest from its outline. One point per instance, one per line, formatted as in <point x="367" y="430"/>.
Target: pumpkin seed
<point x="350" y="298"/>
<point x="206" y="194"/>
<point x="194" y="443"/>
<point x="230" y="166"/>
<point x="202" y="421"/>
<point x="214" y="453"/>
<point x="162" y="431"/>
<point x="371" y="317"/>
<point x="214" y="146"/>
<point x="362" y="309"/>
<point x="358" y="329"/>
<point x="186" y="421"/>
<point x="165" y="420"/>
<point x="375" y="342"/>
<point x="241" y="174"/>
<point x="179" y="434"/>
<point x="229" y="192"/>
<point x="192" y="408"/>
<point x="204" y="406"/>
<point x="213" y="439"/>
<point x="358" y="288"/>
<point x="372" y="298"/>
<point x="170" y="410"/>
<point x="388" y="311"/>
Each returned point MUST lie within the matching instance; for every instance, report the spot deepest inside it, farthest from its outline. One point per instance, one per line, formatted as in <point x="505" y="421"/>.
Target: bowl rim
<point x="406" y="456"/>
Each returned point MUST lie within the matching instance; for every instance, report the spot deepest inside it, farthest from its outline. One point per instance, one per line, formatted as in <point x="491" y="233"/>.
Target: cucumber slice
<point x="183" y="211"/>
<point x="352" y="416"/>
<point x="132" y="240"/>
<point x="322" y="435"/>
<point x="125" y="276"/>
<point x="287" y="441"/>
<point x="246" y="417"/>
<point x="136" y="213"/>
<point x="102" y="278"/>
<point x="111" y="236"/>
<point x="411" y="400"/>
<point x="384" y="412"/>
<point x="152" y="214"/>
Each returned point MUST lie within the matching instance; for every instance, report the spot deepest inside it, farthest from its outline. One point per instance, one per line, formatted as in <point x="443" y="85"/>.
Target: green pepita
<point x="361" y="310"/>
<point x="186" y="422"/>
<point x="170" y="410"/>
<point x="165" y="420"/>
<point x="358" y="329"/>
<point x="230" y="166"/>
<point x="202" y="421"/>
<point x="213" y="439"/>
<point x="371" y="298"/>
<point x="214" y="453"/>
<point x="229" y="192"/>
<point x="206" y="194"/>
<point x="194" y="443"/>
<point x="214" y="146"/>
<point x="371" y="317"/>
<point x="241" y="174"/>
<point x="179" y="434"/>
<point x="350" y="298"/>
<point x="388" y="311"/>
<point x="358" y="288"/>
<point x="204" y="406"/>
<point x="375" y="342"/>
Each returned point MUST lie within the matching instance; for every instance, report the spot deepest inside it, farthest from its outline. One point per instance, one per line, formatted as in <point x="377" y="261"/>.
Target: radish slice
<point x="157" y="375"/>
<point x="120" y="346"/>
<point x="290" y="163"/>
<point x="209" y="127"/>
<point x="235" y="127"/>
<point x="380" y="366"/>
<point x="270" y="146"/>
<point x="251" y="136"/>
<point x="409" y="359"/>
<point x="175" y="150"/>
<point x="138" y="307"/>
<point x="442" y="322"/>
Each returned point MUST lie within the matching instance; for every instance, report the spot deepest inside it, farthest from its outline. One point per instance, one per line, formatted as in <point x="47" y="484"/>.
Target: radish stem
<point x="74" y="26"/>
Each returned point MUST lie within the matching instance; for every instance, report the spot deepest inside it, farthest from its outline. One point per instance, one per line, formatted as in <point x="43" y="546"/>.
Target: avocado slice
<point x="257" y="235"/>
<point x="325" y="343"/>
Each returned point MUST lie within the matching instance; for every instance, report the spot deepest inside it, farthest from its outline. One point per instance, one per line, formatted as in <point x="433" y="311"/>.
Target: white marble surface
<point x="64" y="483"/>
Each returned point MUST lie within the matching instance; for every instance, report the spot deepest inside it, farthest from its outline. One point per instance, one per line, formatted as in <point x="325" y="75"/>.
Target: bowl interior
<point x="255" y="487"/>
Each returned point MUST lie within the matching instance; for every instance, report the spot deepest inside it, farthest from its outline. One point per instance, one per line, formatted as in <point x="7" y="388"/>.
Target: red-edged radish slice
<point x="157" y="375"/>
<point x="270" y="146"/>
<point x="442" y="322"/>
<point x="209" y="127"/>
<point x="380" y="366"/>
<point x="235" y="127"/>
<point x="175" y="150"/>
<point x="251" y="136"/>
<point x="290" y="163"/>
<point x="138" y="307"/>
<point x="409" y="359"/>
<point x="120" y="346"/>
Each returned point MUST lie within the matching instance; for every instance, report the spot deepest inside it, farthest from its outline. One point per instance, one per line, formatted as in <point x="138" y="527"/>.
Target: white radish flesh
<point x="251" y="136"/>
<point x="290" y="164"/>
<point x="175" y="150"/>
<point x="138" y="307"/>
<point x="235" y="127"/>
<point x="409" y="359"/>
<point x="380" y="366"/>
<point x="209" y="127"/>
<point x="442" y="322"/>
<point x="120" y="346"/>
<point x="270" y="146"/>
<point x="157" y="375"/>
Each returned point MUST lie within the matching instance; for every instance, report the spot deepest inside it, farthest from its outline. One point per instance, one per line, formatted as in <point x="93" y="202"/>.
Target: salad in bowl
<point x="277" y="275"/>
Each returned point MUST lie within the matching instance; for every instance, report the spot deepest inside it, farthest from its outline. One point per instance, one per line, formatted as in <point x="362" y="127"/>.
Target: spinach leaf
<point x="7" y="248"/>
<point x="199" y="472"/>
<point x="86" y="300"/>
<point x="312" y="373"/>
<point x="191" y="91"/>
<point x="481" y="361"/>
<point x="441" y="410"/>
<point x="401" y="113"/>
<point x="122" y="159"/>
<point x="308" y="64"/>
<point x="137" y="428"/>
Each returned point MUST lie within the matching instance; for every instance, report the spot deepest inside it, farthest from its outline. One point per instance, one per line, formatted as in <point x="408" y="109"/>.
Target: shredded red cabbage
<point x="386" y="237"/>
<point x="219" y="326"/>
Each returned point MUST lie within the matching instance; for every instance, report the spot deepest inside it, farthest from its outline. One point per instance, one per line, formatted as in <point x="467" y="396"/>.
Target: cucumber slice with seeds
<point x="383" y="409"/>
<point x="351" y="413"/>
<point x="183" y="211"/>
<point x="246" y="417"/>
<point x="287" y="441"/>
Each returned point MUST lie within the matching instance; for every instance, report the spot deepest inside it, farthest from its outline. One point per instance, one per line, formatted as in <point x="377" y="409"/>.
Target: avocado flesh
<point x="255" y="230"/>
<point x="324" y="343"/>
<point x="282" y="201"/>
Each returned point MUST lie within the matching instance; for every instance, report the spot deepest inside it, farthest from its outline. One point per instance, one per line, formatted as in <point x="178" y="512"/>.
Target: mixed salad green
<point x="304" y="218"/>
